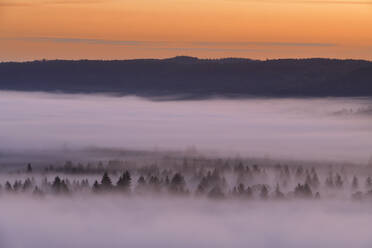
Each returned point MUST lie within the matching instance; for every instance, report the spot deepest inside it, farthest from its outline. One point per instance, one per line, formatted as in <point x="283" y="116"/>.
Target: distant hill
<point x="193" y="77"/>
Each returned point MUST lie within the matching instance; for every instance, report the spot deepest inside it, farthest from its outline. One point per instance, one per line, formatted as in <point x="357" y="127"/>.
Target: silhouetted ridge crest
<point x="193" y="77"/>
<point x="182" y="59"/>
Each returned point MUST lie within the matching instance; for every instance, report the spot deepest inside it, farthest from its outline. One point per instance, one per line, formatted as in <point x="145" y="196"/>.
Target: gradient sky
<point x="122" y="29"/>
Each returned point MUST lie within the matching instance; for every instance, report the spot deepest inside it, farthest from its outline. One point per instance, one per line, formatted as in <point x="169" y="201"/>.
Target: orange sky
<point x="120" y="29"/>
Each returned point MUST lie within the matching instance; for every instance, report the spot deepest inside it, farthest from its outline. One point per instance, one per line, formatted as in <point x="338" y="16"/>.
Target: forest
<point x="192" y="78"/>
<point x="213" y="178"/>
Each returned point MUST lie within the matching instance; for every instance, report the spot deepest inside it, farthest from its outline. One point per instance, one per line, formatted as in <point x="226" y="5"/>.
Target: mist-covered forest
<point x="106" y="171"/>
<point x="185" y="200"/>
<point x="214" y="178"/>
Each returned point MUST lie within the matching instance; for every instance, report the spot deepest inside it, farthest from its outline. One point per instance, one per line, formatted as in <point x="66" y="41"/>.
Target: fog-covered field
<point x="109" y="171"/>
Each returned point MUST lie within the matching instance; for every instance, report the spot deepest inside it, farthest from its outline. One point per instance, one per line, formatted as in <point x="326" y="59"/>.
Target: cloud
<point x="10" y="4"/>
<point x="212" y="46"/>
<point x="307" y="2"/>
<point x="40" y="3"/>
<point x="335" y="2"/>
<point x="79" y="40"/>
<point x="255" y="43"/>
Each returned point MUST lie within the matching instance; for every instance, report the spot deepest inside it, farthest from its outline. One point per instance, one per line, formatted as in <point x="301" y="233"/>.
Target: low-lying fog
<point x="105" y="221"/>
<point x="328" y="128"/>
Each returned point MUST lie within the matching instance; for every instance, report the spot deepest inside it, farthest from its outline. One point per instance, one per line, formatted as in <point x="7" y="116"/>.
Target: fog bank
<point x="322" y="128"/>
<point x="150" y="222"/>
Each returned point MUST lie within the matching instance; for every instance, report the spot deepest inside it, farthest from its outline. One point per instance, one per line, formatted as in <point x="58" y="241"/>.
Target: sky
<point x="127" y="29"/>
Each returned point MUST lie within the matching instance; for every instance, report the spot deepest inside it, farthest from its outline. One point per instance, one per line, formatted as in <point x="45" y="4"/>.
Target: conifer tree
<point x="29" y="168"/>
<point x="338" y="181"/>
<point x="278" y="193"/>
<point x="124" y="181"/>
<point x="369" y="182"/>
<point x="95" y="186"/>
<point x="355" y="183"/>
<point x="264" y="192"/>
<point x="106" y="183"/>
<point x="8" y="186"/>
<point x="177" y="183"/>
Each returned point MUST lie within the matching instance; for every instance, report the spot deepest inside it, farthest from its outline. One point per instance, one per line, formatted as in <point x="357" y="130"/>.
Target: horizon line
<point x="186" y="56"/>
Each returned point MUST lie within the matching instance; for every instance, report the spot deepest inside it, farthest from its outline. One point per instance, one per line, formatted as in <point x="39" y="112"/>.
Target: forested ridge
<point x="193" y="77"/>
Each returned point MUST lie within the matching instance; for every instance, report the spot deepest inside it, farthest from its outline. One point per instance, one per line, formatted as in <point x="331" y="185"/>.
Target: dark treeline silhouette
<point x="203" y="177"/>
<point x="190" y="77"/>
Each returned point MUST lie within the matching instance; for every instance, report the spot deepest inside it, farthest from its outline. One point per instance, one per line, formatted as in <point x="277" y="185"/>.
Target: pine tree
<point x="124" y="181"/>
<point x="355" y="183"/>
<point x="264" y="194"/>
<point x="241" y="189"/>
<point x="278" y="193"/>
<point x="200" y="189"/>
<point x="106" y="181"/>
<point x="315" y="180"/>
<point x="59" y="186"/>
<point x="29" y="168"/>
<point x="303" y="191"/>
<point x="95" y="186"/>
<point x="338" y="181"/>
<point x="27" y="185"/>
<point x="369" y="182"/>
<point x="329" y="181"/>
<point x="141" y="181"/>
<point x="249" y="192"/>
<point x="177" y="183"/>
<point x="8" y="186"/>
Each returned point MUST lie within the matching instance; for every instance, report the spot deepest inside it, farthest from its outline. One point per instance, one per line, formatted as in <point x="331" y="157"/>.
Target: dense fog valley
<point x="184" y="201"/>
<point x="110" y="171"/>
<point x="314" y="128"/>
<point x="151" y="222"/>
<point x="173" y="199"/>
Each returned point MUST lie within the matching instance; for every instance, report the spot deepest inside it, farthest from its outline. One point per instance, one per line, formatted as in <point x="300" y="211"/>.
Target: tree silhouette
<point x="338" y="182"/>
<point x="106" y="183"/>
<point x="27" y="185"/>
<point x="369" y="182"/>
<point x="177" y="183"/>
<point x="355" y="183"/>
<point x="278" y="193"/>
<point x="264" y="193"/>
<point x="303" y="191"/>
<point x="124" y="181"/>
<point x="29" y="168"/>
<point x="95" y="186"/>
<point x="59" y="186"/>
<point x="8" y="186"/>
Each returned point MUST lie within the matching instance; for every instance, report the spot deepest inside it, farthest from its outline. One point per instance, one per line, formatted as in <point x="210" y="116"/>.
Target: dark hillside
<point x="193" y="77"/>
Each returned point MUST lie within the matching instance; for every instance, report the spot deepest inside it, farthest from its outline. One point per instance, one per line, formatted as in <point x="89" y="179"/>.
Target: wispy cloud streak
<point x="173" y="45"/>
<point x="255" y="43"/>
<point x="40" y="3"/>
<point x="306" y="2"/>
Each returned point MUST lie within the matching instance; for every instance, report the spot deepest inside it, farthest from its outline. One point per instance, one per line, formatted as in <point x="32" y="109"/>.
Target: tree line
<point x="219" y="182"/>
